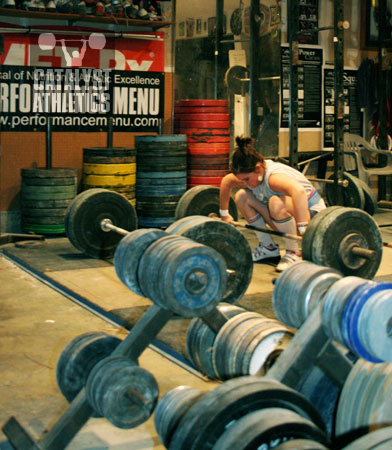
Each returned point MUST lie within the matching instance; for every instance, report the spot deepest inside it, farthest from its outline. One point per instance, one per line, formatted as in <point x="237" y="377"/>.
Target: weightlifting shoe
<point x="288" y="259"/>
<point x="266" y="254"/>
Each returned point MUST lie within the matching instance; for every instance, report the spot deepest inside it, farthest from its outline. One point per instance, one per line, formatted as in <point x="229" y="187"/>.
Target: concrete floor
<point x="37" y="322"/>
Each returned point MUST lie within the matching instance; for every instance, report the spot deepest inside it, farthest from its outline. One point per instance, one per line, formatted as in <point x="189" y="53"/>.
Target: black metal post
<point x="218" y="38"/>
<point x="339" y="95"/>
<point x="253" y="67"/>
<point x="293" y="8"/>
<point x="49" y="143"/>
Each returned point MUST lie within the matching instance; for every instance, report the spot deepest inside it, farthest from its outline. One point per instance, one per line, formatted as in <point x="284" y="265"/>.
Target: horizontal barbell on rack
<point x="346" y="239"/>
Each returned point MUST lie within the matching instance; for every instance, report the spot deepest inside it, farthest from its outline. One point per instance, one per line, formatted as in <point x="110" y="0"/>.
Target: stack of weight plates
<point x="112" y="168"/>
<point x="207" y="127"/>
<point x="45" y="196"/>
<point x="160" y="178"/>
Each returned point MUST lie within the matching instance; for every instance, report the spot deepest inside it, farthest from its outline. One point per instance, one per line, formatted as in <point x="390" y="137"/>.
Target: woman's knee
<point x="241" y="197"/>
<point x="277" y="208"/>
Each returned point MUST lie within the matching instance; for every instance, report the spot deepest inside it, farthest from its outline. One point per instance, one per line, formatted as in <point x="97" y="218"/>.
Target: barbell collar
<point x="107" y="225"/>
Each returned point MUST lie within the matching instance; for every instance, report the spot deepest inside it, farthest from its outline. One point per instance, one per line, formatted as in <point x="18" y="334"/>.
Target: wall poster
<point x="353" y="116"/>
<point x="310" y="61"/>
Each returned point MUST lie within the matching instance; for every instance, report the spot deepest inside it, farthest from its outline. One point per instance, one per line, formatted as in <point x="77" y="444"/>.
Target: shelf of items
<point x="23" y="18"/>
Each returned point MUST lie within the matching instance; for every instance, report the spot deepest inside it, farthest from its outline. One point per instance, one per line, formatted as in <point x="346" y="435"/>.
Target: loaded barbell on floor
<point x="346" y="239"/>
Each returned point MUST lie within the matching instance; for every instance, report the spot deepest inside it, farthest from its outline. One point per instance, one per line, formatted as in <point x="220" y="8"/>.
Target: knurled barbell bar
<point x="346" y="239"/>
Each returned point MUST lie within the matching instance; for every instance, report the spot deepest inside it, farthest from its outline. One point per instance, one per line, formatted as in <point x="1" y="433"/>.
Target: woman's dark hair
<point x="245" y="156"/>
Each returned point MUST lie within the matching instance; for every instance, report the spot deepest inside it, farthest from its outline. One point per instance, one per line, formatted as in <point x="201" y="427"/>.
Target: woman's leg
<point x="256" y="214"/>
<point x="281" y="213"/>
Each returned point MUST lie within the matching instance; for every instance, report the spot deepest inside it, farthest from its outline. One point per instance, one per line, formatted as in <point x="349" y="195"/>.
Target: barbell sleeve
<point x="107" y="225"/>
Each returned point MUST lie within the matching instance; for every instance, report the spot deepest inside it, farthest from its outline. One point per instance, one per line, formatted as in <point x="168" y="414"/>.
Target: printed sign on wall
<point x="80" y="81"/>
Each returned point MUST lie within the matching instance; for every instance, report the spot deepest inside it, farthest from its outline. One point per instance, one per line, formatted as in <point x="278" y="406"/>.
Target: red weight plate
<point x="207" y="173"/>
<point x="205" y="132"/>
<point x="204" y="117"/>
<point x="208" y="150"/>
<point x="208" y="159"/>
<point x="202" y="102"/>
<point x="207" y="139"/>
<point x="212" y="181"/>
<point x="222" y="145"/>
<point x="205" y="124"/>
<point x="200" y="109"/>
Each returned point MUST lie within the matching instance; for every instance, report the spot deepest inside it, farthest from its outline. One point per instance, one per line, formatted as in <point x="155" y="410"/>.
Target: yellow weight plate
<point x="109" y="169"/>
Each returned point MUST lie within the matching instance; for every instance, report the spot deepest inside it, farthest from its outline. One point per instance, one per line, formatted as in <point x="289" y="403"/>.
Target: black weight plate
<point x="370" y="198"/>
<point x="79" y="357"/>
<point x="163" y="167"/>
<point x="207" y="419"/>
<point x="268" y="428"/>
<point x="128" y="393"/>
<point x="311" y="230"/>
<point x="332" y="230"/>
<point x="229" y="242"/>
<point x="129" y="252"/>
<point x="84" y="219"/>
<point x="323" y="393"/>
<point x="111" y="152"/>
<point x="172" y="406"/>
<point x="352" y="195"/>
<point x="202" y="200"/>
<point x="161" y="198"/>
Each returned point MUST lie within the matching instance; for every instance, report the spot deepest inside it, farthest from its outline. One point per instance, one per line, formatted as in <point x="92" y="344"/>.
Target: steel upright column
<point x="293" y="8"/>
<point x="218" y="39"/>
<point x="253" y="65"/>
<point x="382" y="141"/>
<point x="339" y="91"/>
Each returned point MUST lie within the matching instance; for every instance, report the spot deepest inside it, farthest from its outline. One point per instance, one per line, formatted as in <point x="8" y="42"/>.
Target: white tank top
<point x="263" y="192"/>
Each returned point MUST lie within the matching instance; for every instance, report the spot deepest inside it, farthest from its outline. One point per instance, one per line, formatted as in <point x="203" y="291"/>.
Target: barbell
<point x="346" y="239"/>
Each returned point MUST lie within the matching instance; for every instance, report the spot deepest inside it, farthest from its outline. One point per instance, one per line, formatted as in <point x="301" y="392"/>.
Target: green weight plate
<point x="32" y="212"/>
<point x="84" y="217"/>
<point x="206" y="420"/>
<point x="57" y="181"/>
<point x="42" y="229"/>
<point x="202" y="200"/>
<point x="352" y="195"/>
<point x="43" y="220"/>
<point x="259" y="428"/>
<point x="48" y="173"/>
<point x="334" y="235"/>
<point x="45" y="204"/>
